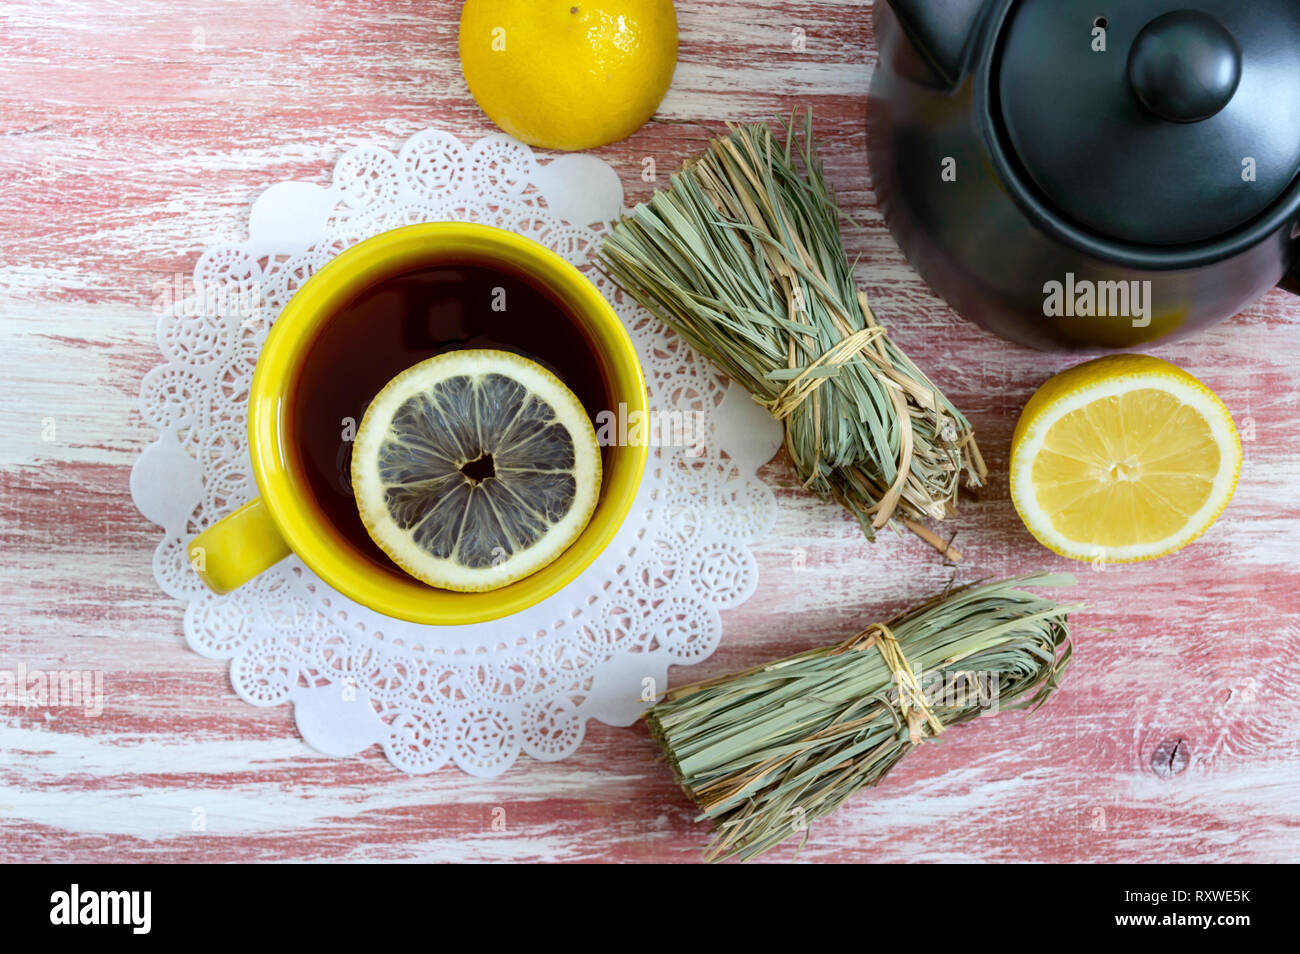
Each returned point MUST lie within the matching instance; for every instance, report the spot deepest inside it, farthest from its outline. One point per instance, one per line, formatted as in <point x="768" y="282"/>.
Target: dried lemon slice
<point x="475" y="469"/>
<point x="1122" y="459"/>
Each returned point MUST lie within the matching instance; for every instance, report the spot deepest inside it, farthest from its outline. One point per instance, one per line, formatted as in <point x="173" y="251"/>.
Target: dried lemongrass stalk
<point x="767" y="751"/>
<point x="742" y="256"/>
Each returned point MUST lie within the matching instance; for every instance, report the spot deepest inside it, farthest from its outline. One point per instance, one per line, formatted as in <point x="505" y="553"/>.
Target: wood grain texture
<point x="134" y="134"/>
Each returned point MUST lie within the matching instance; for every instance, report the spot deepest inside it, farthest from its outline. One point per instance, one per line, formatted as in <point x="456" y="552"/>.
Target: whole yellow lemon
<point x="568" y="74"/>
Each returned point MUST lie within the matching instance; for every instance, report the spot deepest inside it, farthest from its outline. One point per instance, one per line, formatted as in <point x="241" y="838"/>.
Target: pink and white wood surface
<point x="134" y="134"/>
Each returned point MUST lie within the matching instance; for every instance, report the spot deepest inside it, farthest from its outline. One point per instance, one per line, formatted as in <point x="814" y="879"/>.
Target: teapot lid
<point x="1150" y="123"/>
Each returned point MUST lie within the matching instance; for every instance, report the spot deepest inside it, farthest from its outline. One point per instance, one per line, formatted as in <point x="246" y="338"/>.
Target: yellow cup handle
<point x="238" y="547"/>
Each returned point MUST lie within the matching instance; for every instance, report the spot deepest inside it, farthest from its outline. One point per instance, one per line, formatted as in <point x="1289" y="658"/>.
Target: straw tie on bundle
<point x="911" y="697"/>
<point x="804" y="386"/>
<point x="743" y="257"/>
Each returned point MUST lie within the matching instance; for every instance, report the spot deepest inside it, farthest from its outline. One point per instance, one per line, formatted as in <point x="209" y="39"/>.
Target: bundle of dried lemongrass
<point x="743" y="257"/>
<point x="765" y="752"/>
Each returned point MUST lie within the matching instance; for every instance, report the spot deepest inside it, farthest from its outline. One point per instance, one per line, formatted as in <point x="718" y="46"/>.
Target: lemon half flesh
<point x="1123" y="459"/>
<point x="475" y="469"/>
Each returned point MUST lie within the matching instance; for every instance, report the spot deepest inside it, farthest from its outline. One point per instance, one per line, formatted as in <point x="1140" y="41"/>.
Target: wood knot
<point x="1171" y="758"/>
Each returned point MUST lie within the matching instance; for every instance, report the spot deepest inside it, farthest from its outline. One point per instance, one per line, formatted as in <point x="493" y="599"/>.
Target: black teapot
<point x="1091" y="173"/>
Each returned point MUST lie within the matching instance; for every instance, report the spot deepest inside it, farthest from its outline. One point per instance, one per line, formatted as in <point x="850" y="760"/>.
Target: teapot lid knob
<point x="1185" y="66"/>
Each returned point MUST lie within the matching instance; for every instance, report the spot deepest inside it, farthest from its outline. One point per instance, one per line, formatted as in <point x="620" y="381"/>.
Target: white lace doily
<point x="480" y="694"/>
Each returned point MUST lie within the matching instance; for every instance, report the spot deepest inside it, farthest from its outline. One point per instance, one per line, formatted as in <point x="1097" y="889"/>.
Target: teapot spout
<point x="940" y="30"/>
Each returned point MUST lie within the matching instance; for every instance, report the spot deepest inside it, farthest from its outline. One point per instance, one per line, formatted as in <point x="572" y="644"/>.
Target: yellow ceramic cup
<point x="286" y="517"/>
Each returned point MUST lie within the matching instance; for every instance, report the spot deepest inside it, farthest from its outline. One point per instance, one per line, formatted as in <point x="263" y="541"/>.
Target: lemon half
<point x="1123" y="459"/>
<point x="475" y="469"/>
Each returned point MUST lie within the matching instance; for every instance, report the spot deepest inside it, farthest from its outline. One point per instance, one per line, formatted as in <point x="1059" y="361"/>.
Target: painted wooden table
<point x="134" y="134"/>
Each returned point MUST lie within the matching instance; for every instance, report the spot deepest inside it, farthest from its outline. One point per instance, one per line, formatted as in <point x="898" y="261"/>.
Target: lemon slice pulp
<point x="475" y="469"/>
<point x="1123" y="459"/>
